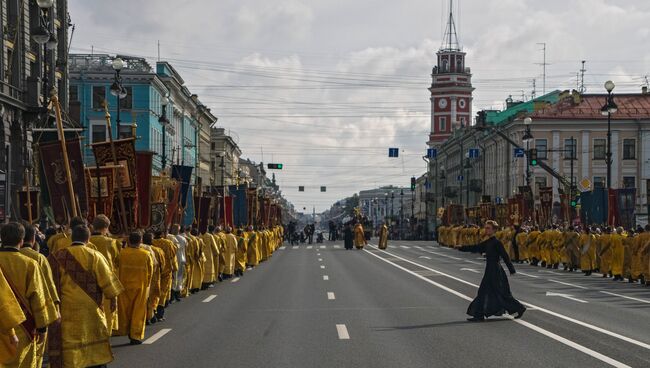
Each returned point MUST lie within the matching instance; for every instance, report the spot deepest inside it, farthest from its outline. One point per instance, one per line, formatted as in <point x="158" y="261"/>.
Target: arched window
<point x="445" y="66"/>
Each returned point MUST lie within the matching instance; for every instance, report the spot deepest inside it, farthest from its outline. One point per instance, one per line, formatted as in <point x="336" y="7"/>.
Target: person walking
<point x="348" y="237"/>
<point x="494" y="297"/>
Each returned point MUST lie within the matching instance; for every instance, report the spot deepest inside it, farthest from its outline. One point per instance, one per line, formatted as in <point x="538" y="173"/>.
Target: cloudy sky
<point x="326" y="86"/>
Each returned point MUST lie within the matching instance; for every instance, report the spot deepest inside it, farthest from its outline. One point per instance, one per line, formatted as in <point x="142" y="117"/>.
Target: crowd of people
<point x="93" y="285"/>
<point x="614" y="252"/>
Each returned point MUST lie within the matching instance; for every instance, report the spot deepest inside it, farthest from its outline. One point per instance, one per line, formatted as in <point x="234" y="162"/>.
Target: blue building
<point x="149" y="92"/>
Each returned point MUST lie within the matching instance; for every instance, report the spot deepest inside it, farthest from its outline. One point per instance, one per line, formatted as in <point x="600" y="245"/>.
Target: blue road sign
<point x="432" y="153"/>
<point x="460" y="178"/>
<point x="474" y="152"/>
<point x="393" y="152"/>
<point x="519" y="152"/>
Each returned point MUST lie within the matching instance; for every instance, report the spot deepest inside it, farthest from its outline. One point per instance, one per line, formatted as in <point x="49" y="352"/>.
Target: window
<point x="99" y="95"/>
<point x="629" y="149"/>
<point x="540" y="181"/>
<point x="98" y="133"/>
<point x="570" y="149"/>
<point x="629" y="182"/>
<point x="126" y="131"/>
<point x="541" y="146"/>
<point x="442" y="124"/>
<point x="445" y="65"/>
<point x="599" y="182"/>
<point x="462" y="121"/>
<point x="127" y="102"/>
<point x="74" y="93"/>
<point x="599" y="148"/>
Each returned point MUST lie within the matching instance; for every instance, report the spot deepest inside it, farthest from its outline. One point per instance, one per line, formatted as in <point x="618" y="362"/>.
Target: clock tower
<point x="451" y="87"/>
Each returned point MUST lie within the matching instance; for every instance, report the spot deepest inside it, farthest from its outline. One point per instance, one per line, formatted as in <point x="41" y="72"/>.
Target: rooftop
<point x="587" y="107"/>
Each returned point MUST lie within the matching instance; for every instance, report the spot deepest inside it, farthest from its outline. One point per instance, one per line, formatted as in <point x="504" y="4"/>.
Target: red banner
<point x="226" y="214"/>
<point x="100" y="185"/>
<point x="143" y="171"/>
<point x="31" y="205"/>
<point x="57" y="182"/>
<point x="612" y="208"/>
<point x="546" y="206"/>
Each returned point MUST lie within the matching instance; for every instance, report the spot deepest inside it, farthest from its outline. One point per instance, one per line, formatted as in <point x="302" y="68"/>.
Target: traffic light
<point x="274" y="166"/>
<point x="574" y="200"/>
<point x="532" y="157"/>
<point x="413" y="184"/>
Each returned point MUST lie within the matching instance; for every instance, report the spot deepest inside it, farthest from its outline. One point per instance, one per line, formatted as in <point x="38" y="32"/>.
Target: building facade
<point x="225" y="155"/>
<point x="28" y="71"/>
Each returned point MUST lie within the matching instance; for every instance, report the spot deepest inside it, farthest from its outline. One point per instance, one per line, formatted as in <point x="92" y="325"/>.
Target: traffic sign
<point x="474" y="153"/>
<point x="519" y="153"/>
<point x="432" y="153"/>
<point x="585" y="183"/>
<point x="393" y="152"/>
<point x="460" y="178"/>
<point x="323" y="189"/>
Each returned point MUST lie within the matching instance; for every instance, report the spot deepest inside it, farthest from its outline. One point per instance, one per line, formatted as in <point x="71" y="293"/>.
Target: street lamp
<point x="42" y="36"/>
<point x="118" y="90"/>
<point x="608" y="109"/>
<point x="466" y="166"/>
<point x="443" y="177"/>
<point x="527" y="139"/>
<point x="164" y="122"/>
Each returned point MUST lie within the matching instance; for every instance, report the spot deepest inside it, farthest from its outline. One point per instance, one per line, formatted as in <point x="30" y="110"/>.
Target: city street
<point x="322" y="306"/>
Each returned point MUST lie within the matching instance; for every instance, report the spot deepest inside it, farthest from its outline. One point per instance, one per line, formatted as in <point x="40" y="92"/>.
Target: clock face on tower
<point x="461" y="103"/>
<point x="442" y="103"/>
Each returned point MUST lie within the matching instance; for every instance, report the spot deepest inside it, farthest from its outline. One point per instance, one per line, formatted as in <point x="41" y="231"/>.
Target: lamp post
<point x="392" y="205"/>
<point x="42" y="36"/>
<point x="608" y="109"/>
<point x="118" y="91"/>
<point x="401" y="214"/>
<point x="527" y="138"/>
<point x="443" y="177"/>
<point x="164" y="122"/>
<point x="466" y="167"/>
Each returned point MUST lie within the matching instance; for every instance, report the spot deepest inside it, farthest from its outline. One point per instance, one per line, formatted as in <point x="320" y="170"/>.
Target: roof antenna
<point x="582" y="88"/>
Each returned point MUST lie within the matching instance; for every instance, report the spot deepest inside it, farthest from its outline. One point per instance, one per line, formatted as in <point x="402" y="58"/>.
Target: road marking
<point x="568" y="284"/>
<point x="404" y="246"/>
<point x="531" y="326"/>
<point x="318" y="254"/>
<point x="444" y="255"/>
<point x="425" y="257"/>
<point x="337" y="246"/>
<point x="320" y="260"/>
<point x="156" y="336"/>
<point x="326" y="278"/>
<point x="322" y="247"/>
<point x="470" y="270"/>
<point x="526" y="274"/>
<point x="419" y="247"/>
<point x="321" y="266"/>
<point x="309" y="247"/>
<point x="343" y="332"/>
<point x="566" y="296"/>
<point x="330" y="295"/>
<point x="543" y="310"/>
<point x="209" y="299"/>
<point x="283" y="248"/>
<point x="295" y="247"/>
<point x="235" y="279"/>
<point x="627" y="297"/>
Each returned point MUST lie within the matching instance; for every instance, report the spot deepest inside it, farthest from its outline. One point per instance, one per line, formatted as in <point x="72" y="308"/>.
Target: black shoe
<point x="135" y="342"/>
<point x="520" y="313"/>
<point x="476" y="319"/>
<point x="153" y="320"/>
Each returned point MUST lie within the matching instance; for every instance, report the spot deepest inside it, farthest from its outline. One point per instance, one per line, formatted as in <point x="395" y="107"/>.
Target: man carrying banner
<point x="84" y="279"/>
<point x="110" y="249"/>
<point x="211" y="252"/>
<point x="29" y="287"/>
<point x="170" y="268"/>
<point x="252" y="252"/>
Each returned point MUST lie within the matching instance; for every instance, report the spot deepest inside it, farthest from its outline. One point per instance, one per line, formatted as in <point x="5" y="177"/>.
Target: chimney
<point x="644" y="90"/>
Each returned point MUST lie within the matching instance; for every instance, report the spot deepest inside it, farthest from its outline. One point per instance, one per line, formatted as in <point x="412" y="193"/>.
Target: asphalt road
<point x="323" y="306"/>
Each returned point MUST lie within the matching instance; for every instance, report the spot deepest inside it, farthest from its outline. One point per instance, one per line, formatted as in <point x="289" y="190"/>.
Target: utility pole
<point x="543" y="64"/>
<point x="582" y="89"/>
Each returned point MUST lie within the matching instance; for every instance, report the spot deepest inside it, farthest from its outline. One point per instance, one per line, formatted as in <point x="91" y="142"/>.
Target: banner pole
<point x="64" y="152"/>
<point x="119" y="175"/>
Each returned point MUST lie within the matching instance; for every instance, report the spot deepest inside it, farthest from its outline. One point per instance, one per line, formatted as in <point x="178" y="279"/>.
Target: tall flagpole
<point x="64" y="152"/>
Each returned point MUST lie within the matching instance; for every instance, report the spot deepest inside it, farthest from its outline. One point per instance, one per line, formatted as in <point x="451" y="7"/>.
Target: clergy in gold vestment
<point x="252" y="252"/>
<point x="26" y="280"/>
<point x="63" y="240"/>
<point x="383" y="237"/>
<point x="199" y="261"/>
<point x="211" y="253"/>
<point x="110" y="249"/>
<point x="30" y="249"/>
<point x="12" y="318"/>
<point x="153" y="301"/>
<point x="240" y="255"/>
<point x="230" y="252"/>
<point x="359" y="236"/>
<point x="170" y="267"/>
<point x="136" y="270"/>
<point x="83" y="278"/>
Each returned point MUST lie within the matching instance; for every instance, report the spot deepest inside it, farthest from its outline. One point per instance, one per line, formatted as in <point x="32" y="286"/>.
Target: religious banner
<point x="100" y="185"/>
<point x="625" y="205"/>
<point x="240" y="205"/>
<point x="546" y="205"/>
<point x="144" y="161"/>
<point x="54" y="174"/>
<point x="183" y="174"/>
<point x="565" y="207"/>
<point x="514" y="212"/>
<point x="454" y="215"/>
<point x="158" y="214"/>
<point x="486" y="211"/>
<point x="29" y="205"/>
<point x="226" y="213"/>
<point x="172" y="216"/>
<point x="252" y="206"/>
<point x="125" y="180"/>
<point x="526" y="202"/>
<point x="501" y="212"/>
<point x="202" y="206"/>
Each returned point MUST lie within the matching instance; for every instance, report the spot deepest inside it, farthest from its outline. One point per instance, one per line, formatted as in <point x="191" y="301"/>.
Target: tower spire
<point x="450" y="38"/>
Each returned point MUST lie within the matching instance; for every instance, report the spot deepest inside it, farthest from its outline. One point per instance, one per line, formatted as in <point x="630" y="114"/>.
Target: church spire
<point x="450" y="39"/>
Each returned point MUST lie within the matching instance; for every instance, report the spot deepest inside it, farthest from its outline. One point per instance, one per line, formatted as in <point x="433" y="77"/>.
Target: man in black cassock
<point x="348" y="236"/>
<point x="494" y="297"/>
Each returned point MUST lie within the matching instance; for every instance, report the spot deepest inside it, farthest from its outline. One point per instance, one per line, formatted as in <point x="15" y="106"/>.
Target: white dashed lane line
<point x="343" y="332"/>
<point x="209" y="299"/>
<point x="330" y="295"/>
<point x="156" y="336"/>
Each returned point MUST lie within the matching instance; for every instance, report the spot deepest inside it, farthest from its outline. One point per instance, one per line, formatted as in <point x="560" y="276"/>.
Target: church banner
<point x="144" y="162"/>
<point x="183" y="174"/>
<point x="546" y="205"/>
<point x="55" y="177"/>
<point x="101" y="191"/>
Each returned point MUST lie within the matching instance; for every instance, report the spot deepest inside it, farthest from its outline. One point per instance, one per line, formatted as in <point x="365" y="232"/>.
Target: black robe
<point x="494" y="297"/>
<point x="348" y="238"/>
